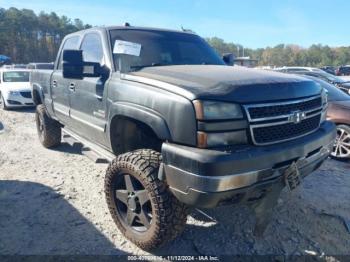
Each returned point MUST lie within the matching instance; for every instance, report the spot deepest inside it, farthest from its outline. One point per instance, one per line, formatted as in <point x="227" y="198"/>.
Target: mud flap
<point x="263" y="209"/>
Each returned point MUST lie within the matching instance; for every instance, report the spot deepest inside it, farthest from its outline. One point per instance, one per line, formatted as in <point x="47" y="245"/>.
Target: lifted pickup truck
<point x="185" y="129"/>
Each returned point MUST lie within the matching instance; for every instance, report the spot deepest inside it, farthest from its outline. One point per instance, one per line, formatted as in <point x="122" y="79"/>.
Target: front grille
<point x="276" y="122"/>
<point x="258" y="112"/>
<point x="26" y="94"/>
<point x="269" y="134"/>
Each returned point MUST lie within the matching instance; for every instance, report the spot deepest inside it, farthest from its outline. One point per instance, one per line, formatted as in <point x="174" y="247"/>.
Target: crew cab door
<point x="60" y="86"/>
<point x="88" y="95"/>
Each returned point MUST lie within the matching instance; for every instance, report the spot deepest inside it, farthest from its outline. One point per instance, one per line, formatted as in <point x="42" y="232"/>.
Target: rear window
<point x="15" y="76"/>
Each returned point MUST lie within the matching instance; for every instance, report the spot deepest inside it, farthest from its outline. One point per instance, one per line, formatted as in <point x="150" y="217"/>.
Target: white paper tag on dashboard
<point x="126" y="48"/>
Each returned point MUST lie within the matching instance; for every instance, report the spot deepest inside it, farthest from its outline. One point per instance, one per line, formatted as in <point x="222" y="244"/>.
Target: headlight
<point x="214" y="110"/>
<point x="14" y="93"/>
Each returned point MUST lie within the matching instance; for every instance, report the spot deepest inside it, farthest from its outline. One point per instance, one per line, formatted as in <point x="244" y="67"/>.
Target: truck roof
<point x="109" y="28"/>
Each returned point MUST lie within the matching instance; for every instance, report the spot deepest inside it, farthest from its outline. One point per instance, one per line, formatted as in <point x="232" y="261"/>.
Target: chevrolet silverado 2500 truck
<point x="185" y="129"/>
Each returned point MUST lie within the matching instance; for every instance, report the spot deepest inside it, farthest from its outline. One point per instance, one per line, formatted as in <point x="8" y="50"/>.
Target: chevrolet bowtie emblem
<point x="296" y="117"/>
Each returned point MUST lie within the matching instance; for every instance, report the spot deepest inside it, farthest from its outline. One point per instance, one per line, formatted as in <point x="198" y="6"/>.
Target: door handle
<point x="72" y="87"/>
<point x="54" y="83"/>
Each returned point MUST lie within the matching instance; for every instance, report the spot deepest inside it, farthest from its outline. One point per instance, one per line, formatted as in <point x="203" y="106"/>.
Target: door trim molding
<point x="101" y="129"/>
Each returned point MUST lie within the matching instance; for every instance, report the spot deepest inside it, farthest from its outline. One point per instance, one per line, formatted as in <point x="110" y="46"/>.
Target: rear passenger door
<point x="60" y="86"/>
<point x="88" y="97"/>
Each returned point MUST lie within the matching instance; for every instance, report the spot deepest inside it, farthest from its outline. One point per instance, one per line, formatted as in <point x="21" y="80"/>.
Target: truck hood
<point x="226" y="83"/>
<point x="15" y="86"/>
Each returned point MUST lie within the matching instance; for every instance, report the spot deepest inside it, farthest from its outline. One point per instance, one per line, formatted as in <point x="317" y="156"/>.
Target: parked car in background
<point x="15" y="90"/>
<point x="329" y="69"/>
<point x="343" y="71"/>
<point x="339" y="113"/>
<point x="42" y="66"/>
<point x="294" y="69"/>
<point x="7" y="67"/>
<point x="19" y="66"/>
<point x="14" y="66"/>
<point x="342" y="84"/>
<point x="4" y="60"/>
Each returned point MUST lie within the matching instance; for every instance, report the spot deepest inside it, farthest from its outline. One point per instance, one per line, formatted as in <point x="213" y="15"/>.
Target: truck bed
<point x="41" y="80"/>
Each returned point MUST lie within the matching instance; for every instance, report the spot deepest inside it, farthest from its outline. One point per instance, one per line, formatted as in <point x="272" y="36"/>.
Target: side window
<point x="92" y="48"/>
<point x="70" y="43"/>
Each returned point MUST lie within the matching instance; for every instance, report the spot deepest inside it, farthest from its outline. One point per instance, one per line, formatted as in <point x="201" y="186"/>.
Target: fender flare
<point x="37" y="90"/>
<point x="142" y="114"/>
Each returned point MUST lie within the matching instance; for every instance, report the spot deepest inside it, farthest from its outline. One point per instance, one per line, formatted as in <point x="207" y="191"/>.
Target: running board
<point x="96" y="153"/>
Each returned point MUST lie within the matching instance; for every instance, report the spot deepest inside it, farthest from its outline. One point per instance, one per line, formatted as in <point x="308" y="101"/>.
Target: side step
<point x="96" y="153"/>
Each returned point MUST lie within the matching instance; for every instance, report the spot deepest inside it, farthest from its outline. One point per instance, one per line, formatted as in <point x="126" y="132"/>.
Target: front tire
<point x="3" y="104"/>
<point x="341" y="148"/>
<point x="49" y="130"/>
<point x="141" y="205"/>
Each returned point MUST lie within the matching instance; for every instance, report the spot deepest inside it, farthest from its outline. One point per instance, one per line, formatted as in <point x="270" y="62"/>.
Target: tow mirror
<point x="73" y="64"/>
<point x="75" y="67"/>
<point x="228" y="59"/>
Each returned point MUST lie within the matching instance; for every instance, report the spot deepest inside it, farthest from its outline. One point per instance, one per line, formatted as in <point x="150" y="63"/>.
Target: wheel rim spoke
<point x="144" y="219"/>
<point x="336" y="149"/>
<point x="133" y="203"/>
<point x="122" y="195"/>
<point x="346" y="144"/>
<point x="346" y="150"/>
<point x="142" y="196"/>
<point x="342" y="145"/>
<point x="346" y="138"/>
<point x="130" y="217"/>
<point x="128" y="183"/>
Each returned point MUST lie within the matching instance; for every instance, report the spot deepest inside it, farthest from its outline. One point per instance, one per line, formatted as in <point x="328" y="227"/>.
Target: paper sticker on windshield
<point x="127" y="48"/>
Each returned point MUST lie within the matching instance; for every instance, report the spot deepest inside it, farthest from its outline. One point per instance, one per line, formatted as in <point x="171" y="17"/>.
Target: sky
<point x="251" y="23"/>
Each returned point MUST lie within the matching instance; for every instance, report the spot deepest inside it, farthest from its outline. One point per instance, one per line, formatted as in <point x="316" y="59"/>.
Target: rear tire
<point x="49" y="130"/>
<point x="141" y="205"/>
<point x="341" y="148"/>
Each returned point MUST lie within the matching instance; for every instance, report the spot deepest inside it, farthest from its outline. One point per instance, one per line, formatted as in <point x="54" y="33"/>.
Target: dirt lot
<point x="52" y="202"/>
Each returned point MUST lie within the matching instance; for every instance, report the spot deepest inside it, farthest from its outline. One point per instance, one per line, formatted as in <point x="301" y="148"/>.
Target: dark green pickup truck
<point x="182" y="129"/>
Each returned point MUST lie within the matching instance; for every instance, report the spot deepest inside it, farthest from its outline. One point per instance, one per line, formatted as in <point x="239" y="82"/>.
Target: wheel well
<point x="127" y="134"/>
<point x="36" y="97"/>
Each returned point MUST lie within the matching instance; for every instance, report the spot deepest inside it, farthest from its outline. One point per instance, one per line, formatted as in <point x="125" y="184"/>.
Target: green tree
<point x="27" y="37"/>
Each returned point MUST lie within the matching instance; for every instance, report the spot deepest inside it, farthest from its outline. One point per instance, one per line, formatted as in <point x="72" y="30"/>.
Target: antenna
<point x="186" y="30"/>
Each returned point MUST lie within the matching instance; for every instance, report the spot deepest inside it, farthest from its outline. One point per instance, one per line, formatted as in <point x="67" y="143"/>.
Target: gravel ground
<point x="52" y="202"/>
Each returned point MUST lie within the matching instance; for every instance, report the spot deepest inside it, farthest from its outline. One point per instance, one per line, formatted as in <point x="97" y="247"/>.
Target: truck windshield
<point x="163" y="48"/>
<point x="16" y="76"/>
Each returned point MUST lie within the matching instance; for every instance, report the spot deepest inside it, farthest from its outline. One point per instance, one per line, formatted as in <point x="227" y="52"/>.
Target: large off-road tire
<point x="49" y="130"/>
<point x="141" y="205"/>
<point x="341" y="148"/>
<point x="3" y="104"/>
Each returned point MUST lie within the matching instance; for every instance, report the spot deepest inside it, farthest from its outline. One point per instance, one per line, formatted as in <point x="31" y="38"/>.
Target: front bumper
<point x="208" y="178"/>
<point x="17" y="100"/>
